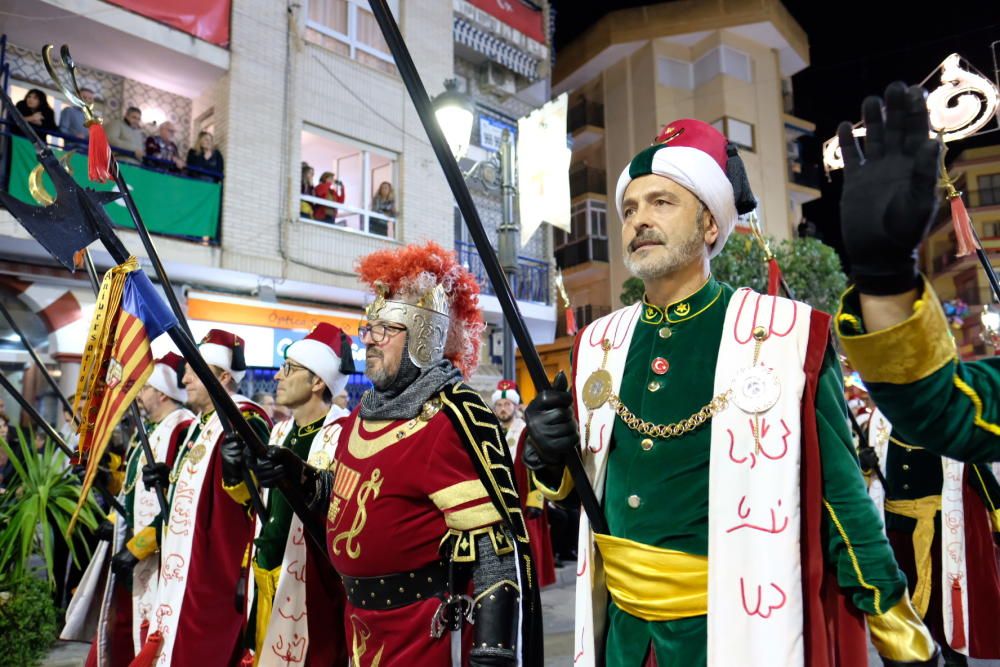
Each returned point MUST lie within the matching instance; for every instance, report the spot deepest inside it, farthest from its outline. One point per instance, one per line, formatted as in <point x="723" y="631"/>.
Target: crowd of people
<point x="704" y="429"/>
<point x="329" y="187"/>
<point x="129" y="138"/>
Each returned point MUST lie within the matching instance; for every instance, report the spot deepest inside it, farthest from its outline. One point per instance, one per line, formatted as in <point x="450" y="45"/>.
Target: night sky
<point x="854" y="51"/>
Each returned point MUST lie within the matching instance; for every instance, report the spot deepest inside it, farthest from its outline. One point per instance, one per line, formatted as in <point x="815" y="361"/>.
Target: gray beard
<point x="404" y="395"/>
<point x="674" y="259"/>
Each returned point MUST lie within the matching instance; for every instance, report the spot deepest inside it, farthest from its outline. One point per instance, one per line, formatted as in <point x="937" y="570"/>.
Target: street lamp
<point x="455" y="115"/>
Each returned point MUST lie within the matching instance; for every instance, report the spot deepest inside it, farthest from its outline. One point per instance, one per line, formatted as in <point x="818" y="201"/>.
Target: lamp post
<point x="455" y="115"/>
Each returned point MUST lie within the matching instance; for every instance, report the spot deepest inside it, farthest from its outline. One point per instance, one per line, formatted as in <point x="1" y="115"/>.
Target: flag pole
<point x="501" y="288"/>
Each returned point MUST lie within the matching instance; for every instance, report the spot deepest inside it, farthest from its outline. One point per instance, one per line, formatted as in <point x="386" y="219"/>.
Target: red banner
<point x="517" y="15"/>
<point x="205" y="19"/>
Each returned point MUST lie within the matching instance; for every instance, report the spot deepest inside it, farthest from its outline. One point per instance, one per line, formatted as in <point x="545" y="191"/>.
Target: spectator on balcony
<point x="161" y="151"/>
<point x="127" y="137"/>
<point x="205" y="156"/>
<point x="331" y="188"/>
<point x="36" y="110"/>
<point x="384" y="203"/>
<point x="305" y="208"/>
<point x="71" y="120"/>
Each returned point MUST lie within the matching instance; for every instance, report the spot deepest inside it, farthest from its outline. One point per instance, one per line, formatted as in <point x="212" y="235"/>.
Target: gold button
<point x="906" y="466"/>
<point x="634" y="501"/>
<point x="646" y="444"/>
<point x="653" y="386"/>
<point x="665" y="332"/>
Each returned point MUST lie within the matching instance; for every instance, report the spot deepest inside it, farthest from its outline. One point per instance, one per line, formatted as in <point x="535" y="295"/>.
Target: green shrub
<point x="27" y="620"/>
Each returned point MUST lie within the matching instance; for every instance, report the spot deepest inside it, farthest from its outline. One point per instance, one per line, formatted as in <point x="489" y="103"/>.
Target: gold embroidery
<point x="363" y="448"/>
<point x="369" y="488"/>
<point x="472" y="517"/>
<point x="361" y="632"/>
<point x="682" y="309"/>
<point x="345" y="481"/>
<point x="458" y="494"/>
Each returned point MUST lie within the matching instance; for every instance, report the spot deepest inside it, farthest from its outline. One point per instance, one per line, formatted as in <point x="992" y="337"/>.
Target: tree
<point x="811" y="269"/>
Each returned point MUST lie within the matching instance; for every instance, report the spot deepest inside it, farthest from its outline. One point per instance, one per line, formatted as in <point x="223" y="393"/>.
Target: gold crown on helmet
<point x="425" y="316"/>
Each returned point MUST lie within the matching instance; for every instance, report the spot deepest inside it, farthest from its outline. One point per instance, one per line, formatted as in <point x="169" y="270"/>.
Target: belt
<point x="923" y="510"/>
<point x="391" y="591"/>
<point x="652" y="583"/>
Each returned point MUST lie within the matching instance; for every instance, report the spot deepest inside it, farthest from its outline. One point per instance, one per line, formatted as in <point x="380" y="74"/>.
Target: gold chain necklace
<point x="677" y="429"/>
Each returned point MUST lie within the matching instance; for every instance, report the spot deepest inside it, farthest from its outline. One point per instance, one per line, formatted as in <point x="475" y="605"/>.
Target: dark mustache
<point x="374" y="353"/>
<point x="646" y="235"/>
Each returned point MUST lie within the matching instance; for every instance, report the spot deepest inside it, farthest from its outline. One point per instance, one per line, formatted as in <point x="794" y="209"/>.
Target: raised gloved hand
<point x="889" y="198"/>
<point x="105" y="531"/>
<point x="155" y="473"/>
<point x="554" y="433"/>
<point x="123" y="562"/>
<point x="231" y="451"/>
<point x="279" y="463"/>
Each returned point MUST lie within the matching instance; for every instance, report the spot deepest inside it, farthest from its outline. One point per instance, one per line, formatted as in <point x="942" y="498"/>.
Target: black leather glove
<point x="155" y="473"/>
<point x="231" y="451"/>
<point x="123" y="563"/>
<point x="532" y="512"/>
<point x="279" y="463"/>
<point x="554" y="433"/>
<point x="868" y="458"/>
<point x="889" y="198"/>
<point x="105" y="531"/>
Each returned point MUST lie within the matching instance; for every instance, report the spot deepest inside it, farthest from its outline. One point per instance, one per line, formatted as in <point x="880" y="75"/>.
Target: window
<point x="989" y="190"/>
<point x="991" y="230"/>
<point x="720" y="60"/>
<point x="674" y="73"/>
<point x="737" y="131"/>
<point x="587" y="240"/>
<point x="355" y="175"/>
<point x="348" y="27"/>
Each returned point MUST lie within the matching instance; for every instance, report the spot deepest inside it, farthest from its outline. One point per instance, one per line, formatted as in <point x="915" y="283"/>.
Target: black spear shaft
<point x="410" y="76"/>
<point x="133" y="409"/>
<point x="56" y="438"/>
<point x="34" y="357"/>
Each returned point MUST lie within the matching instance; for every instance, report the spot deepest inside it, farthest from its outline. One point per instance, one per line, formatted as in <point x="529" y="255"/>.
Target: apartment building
<point x="279" y="86"/>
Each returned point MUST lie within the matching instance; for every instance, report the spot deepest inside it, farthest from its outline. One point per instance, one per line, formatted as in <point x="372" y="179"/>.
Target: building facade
<point x="264" y="250"/>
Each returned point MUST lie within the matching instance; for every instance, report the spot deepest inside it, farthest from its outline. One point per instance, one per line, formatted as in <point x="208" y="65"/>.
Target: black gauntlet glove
<point x="868" y="458"/>
<point x="889" y="199"/>
<point x="123" y="563"/>
<point x="231" y="452"/>
<point x="281" y="464"/>
<point x="105" y="531"/>
<point x="155" y="473"/>
<point x="554" y="433"/>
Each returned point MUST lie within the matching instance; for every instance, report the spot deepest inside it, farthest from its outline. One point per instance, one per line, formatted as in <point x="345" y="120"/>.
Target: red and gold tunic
<point x="400" y="488"/>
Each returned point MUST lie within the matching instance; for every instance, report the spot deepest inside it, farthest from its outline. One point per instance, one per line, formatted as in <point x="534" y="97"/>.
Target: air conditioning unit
<point x="497" y="79"/>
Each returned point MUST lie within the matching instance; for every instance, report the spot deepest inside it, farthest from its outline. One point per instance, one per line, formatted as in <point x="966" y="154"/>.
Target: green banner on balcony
<point x="169" y="205"/>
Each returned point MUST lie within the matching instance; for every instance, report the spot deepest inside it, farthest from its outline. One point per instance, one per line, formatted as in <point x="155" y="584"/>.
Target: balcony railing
<point x="581" y="251"/>
<point x="336" y="214"/>
<point x="530" y="284"/>
<point x="584" y="180"/>
<point x="181" y="205"/>
<point x="585" y="113"/>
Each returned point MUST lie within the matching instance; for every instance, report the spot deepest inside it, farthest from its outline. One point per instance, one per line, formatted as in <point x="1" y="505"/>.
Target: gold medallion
<point x="197" y="454"/>
<point x="320" y="460"/>
<point x="597" y="389"/>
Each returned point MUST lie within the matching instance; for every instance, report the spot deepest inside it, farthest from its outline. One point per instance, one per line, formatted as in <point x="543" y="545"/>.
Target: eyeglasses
<point x="288" y="368"/>
<point x="379" y="333"/>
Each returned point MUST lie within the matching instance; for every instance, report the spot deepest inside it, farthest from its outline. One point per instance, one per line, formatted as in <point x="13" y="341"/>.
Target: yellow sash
<point x="923" y="510"/>
<point x="651" y="583"/>
<point x="266" y="583"/>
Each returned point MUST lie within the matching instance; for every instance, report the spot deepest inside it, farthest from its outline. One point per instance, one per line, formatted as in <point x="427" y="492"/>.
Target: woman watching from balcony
<point x="205" y="157"/>
<point x="36" y="110"/>
<point x="384" y="203"/>
<point x="305" y="208"/>
<point x="329" y="188"/>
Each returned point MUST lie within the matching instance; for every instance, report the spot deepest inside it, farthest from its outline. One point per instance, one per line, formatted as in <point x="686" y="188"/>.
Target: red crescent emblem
<point x="660" y="365"/>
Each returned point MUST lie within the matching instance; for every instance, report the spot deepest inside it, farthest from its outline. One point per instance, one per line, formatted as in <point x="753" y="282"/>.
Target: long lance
<point x="56" y="438"/>
<point x="72" y="94"/>
<point x="74" y="220"/>
<point x="460" y="190"/>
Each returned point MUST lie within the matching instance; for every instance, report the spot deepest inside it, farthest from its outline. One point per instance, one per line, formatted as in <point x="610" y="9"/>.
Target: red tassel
<point x="773" y="277"/>
<point x="571" y="327"/>
<point x="966" y="240"/>
<point x="958" y="618"/>
<point x="150" y="650"/>
<point x="99" y="154"/>
<point x="143" y="631"/>
<point x="247" y="660"/>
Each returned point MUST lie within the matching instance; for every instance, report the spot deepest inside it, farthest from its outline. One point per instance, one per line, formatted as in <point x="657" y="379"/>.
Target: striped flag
<point x="117" y="359"/>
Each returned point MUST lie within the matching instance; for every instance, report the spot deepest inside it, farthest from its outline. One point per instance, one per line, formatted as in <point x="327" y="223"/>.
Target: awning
<point x="495" y="49"/>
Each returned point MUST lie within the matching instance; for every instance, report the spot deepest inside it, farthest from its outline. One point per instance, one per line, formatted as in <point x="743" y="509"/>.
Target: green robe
<point x="669" y="481"/>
